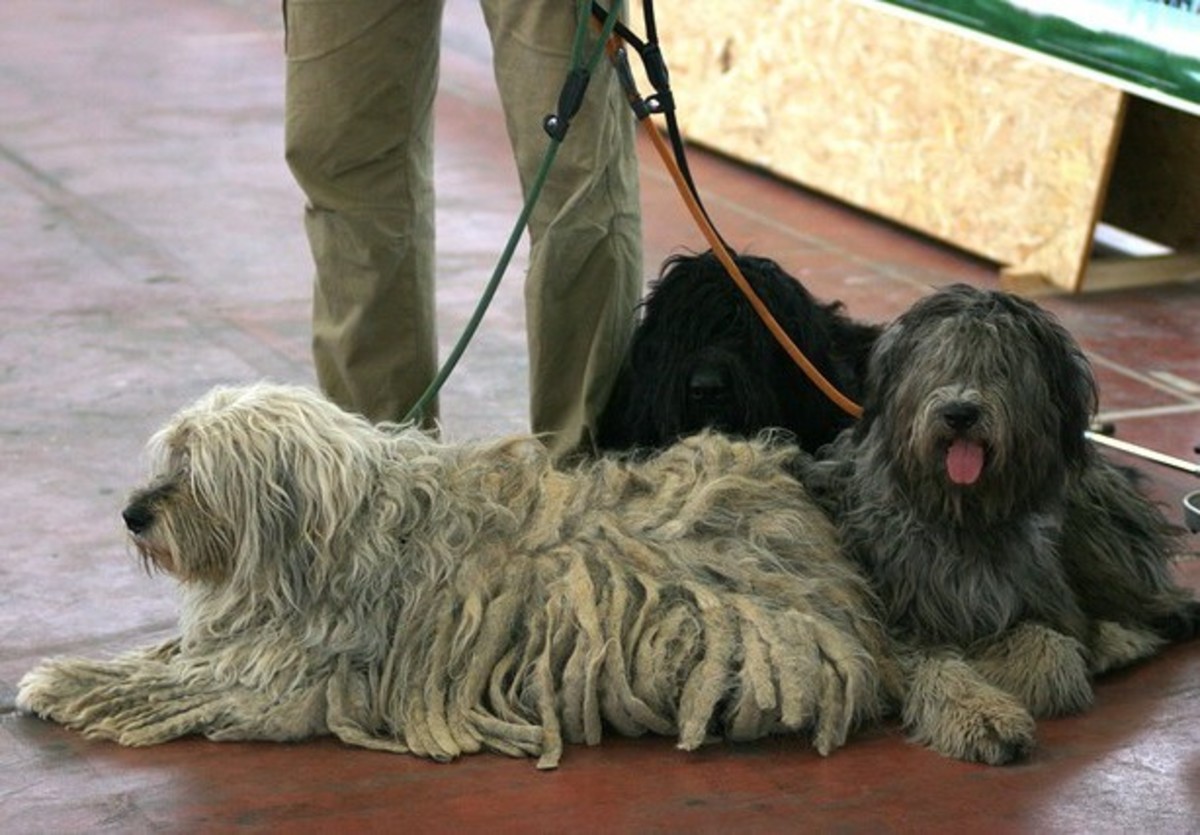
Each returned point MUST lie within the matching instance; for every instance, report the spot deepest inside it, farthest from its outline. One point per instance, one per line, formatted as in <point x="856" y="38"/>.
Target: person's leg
<point x="585" y="272"/>
<point x="361" y="79"/>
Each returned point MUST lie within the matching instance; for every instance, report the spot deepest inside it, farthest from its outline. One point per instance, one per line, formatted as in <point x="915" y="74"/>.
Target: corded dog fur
<point x="439" y="599"/>
<point x="700" y="357"/>
<point x="1012" y="559"/>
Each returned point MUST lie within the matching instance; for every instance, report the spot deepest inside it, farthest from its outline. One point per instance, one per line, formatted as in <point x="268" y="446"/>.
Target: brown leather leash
<point x="662" y="102"/>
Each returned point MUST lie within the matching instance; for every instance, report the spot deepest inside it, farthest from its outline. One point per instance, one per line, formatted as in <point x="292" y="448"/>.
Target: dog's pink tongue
<point x="964" y="462"/>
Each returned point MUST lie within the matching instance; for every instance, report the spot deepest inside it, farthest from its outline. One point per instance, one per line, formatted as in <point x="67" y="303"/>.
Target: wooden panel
<point x="992" y="152"/>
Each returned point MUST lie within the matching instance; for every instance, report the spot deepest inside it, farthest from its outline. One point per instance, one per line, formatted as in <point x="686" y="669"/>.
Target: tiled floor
<point x="151" y="246"/>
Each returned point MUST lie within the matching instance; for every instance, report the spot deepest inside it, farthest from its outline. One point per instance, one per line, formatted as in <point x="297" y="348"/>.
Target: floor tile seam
<point x="266" y="357"/>
<point x="1140" y="377"/>
<point x="115" y="642"/>
<point x="929" y="279"/>
<point x="133" y="255"/>
<point x="114" y="241"/>
<point x="1149" y="412"/>
<point x="822" y="245"/>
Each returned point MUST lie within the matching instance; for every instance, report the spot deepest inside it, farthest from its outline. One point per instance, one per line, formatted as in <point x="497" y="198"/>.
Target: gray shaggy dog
<point x="1013" y="561"/>
<point x="414" y="596"/>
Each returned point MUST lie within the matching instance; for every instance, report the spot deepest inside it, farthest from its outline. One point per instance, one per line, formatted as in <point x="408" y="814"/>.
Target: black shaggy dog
<point x="701" y="357"/>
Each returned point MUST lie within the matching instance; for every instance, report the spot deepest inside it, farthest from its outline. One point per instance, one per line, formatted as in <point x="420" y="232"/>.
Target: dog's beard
<point x="155" y="555"/>
<point x="176" y="536"/>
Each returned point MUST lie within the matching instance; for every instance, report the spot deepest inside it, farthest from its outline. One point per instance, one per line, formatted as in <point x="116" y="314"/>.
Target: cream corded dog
<point x="410" y="595"/>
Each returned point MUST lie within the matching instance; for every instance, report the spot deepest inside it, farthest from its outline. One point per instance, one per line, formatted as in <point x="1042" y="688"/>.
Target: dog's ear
<point x="853" y="342"/>
<point x="1078" y="395"/>
<point x="883" y="368"/>
<point x="1069" y="374"/>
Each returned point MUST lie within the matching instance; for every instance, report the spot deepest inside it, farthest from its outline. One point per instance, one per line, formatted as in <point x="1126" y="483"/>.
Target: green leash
<point x="556" y="126"/>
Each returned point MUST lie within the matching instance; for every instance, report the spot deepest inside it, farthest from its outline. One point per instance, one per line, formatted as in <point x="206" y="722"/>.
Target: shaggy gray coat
<point x="1009" y="554"/>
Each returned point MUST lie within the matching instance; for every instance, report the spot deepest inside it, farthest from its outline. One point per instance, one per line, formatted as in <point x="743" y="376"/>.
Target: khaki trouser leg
<point x="361" y="79"/>
<point x="585" y="272"/>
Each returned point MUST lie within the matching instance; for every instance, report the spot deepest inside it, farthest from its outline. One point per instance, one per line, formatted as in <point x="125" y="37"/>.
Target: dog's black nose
<point x="707" y="384"/>
<point x="960" y="416"/>
<point x="137" y="518"/>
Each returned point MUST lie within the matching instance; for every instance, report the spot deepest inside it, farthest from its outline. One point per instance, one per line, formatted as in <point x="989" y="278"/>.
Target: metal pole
<point x="1148" y="454"/>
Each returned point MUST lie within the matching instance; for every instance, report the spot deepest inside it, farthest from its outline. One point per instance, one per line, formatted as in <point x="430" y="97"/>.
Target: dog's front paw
<point x="134" y="699"/>
<point x="49" y="689"/>
<point x="1112" y="646"/>
<point x="37" y="691"/>
<point x="1045" y="670"/>
<point x="954" y="711"/>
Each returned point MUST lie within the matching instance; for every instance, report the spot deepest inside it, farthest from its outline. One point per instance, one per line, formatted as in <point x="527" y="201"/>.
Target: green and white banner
<point x="1148" y="47"/>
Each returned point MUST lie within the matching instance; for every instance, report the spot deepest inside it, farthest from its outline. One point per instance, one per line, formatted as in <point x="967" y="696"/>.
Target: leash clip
<point x="660" y="79"/>
<point x="660" y="103"/>
<point x="620" y="62"/>
<point x="570" y="99"/>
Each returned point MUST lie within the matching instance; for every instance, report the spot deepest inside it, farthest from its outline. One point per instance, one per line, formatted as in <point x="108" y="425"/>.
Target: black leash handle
<point x="662" y="101"/>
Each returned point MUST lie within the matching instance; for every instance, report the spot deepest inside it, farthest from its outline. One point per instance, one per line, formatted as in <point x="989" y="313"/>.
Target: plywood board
<point x="989" y="151"/>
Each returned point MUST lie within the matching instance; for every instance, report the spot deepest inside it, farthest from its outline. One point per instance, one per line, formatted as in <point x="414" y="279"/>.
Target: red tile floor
<point x="151" y="246"/>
